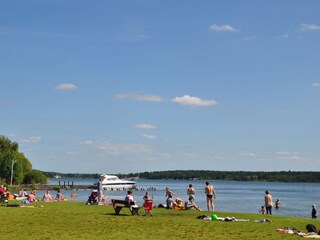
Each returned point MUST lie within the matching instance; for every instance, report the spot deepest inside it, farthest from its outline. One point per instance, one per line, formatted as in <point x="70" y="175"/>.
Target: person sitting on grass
<point x="170" y="202"/>
<point x="191" y="204"/>
<point x="47" y="197"/>
<point x="263" y="210"/>
<point x="59" y="196"/>
<point x="32" y="196"/>
<point x="179" y="204"/>
<point x="23" y="193"/>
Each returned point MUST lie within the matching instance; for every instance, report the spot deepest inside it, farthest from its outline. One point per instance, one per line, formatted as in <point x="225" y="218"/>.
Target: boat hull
<point x="119" y="186"/>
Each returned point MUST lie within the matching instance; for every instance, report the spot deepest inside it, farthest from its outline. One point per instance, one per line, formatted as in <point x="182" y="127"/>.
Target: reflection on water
<point x="231" y="196"/>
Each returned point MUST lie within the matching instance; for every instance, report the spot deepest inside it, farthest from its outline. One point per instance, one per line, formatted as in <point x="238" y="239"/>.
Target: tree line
<point x="279" y="176"/>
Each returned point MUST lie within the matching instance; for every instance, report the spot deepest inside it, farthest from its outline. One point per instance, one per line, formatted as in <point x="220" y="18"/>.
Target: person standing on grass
<point x="211" y="194"/>
<point x="268" y="203"/>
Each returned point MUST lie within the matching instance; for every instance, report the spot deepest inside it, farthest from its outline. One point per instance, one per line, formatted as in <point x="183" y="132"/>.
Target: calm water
<point x="231" y="196"/>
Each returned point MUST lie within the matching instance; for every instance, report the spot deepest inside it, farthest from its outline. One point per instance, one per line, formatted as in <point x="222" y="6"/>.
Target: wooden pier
<point x="66" y="185"/>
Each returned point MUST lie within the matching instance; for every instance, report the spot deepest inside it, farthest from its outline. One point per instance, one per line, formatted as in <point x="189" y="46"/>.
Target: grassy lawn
<point x="75" y="220"/>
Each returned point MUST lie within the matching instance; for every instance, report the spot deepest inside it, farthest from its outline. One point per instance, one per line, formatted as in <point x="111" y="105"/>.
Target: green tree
<point x="12" y="162"/>
<point x="35" y="176"/>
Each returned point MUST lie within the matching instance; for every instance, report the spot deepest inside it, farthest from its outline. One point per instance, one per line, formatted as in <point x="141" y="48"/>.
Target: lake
<point x="232" y="196"/>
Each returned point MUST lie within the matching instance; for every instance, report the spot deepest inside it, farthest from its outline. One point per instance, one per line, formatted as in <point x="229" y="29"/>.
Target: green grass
<point x="75" y="220"/>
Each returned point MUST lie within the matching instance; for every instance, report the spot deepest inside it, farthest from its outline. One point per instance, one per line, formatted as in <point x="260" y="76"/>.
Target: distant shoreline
<point x="250" y="176"/>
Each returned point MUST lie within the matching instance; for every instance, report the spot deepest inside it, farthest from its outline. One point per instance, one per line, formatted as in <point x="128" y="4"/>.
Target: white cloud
<point x="149" y="136"/>
<point x="315" y="84"/>
<point x="33" y="139"/>
<point x="223" y="28"/>
<point x="66" y="86"/>
<point x="140" y="97"/>
<point x="247" y="154"/>
<point x="310" y="27"/>
<point x="144" y="126"/>
<point x="194" y="101"/>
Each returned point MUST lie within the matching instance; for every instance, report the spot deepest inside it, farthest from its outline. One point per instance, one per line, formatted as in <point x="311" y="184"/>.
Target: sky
<point x="147" y="85"/>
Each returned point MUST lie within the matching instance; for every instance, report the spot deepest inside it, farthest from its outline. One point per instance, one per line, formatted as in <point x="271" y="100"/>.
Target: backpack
<point x="311" y="228"/>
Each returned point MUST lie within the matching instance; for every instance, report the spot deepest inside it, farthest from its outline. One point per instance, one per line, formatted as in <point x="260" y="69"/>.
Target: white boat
<point x="111" y="182"/>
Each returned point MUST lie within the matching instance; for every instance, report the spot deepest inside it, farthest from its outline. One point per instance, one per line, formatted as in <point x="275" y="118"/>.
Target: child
<point x="145" y="198"/>
<point x="147" y="204"/>
<point x="314" y="212"/>
<point x="263" y="210"/>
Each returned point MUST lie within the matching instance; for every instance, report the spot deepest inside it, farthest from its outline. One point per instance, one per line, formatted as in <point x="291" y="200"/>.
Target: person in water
<point x="314" y="212"/>
<point x="278" y="204"/>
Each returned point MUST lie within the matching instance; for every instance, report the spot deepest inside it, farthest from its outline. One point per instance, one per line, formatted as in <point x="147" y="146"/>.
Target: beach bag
<point x="311" y="228"/>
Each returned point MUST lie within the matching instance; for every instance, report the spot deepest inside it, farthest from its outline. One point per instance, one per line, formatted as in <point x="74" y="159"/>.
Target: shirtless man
<point x="191" y="192"/>
<point x="211" y="193"/>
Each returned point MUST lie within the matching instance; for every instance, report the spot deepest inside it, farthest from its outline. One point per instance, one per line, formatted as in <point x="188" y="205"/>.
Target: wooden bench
<point x="119" y="204"/>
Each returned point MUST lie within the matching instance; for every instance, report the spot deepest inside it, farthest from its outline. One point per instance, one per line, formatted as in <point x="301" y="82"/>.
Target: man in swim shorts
<point x="211" y="194"/>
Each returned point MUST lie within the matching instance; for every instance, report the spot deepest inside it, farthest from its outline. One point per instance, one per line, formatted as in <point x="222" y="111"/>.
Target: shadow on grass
<point x="119" y="215"/>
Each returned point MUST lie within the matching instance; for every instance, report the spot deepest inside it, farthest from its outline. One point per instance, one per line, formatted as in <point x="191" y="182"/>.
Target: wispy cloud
<point x="117" y="149"/>
<point x="65" y="86"/>
<point x="194" y="101"/>
<point x="315" y="85"/>
<point x="32" y="139"/>
<point x="152" y="137"/>
<point x="248" y="154"/>
<point x="310" y="27"/>
<point x="291" y="156"/>
<point x="140" y="97"/>
<point x="144" y="126"/>
<point x="223" y="28"/>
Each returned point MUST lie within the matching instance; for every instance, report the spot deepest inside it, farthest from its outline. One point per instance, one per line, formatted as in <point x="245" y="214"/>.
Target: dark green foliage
<point x="282" y="176"/>
<point x="35" y="176"/>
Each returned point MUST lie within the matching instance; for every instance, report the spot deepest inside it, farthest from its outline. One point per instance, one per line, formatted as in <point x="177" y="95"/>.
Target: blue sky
<point x="145" y="85"/>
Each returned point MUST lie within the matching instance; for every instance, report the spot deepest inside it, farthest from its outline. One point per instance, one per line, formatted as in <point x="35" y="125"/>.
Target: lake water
<point x="232" y="196"/>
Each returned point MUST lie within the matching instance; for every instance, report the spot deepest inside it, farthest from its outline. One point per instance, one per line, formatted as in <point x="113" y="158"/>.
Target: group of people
<point x="47" y="197"/>
<point x="268" y="204"/>
<point x="190" y="203"/>
<point x="30" y="197"/>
